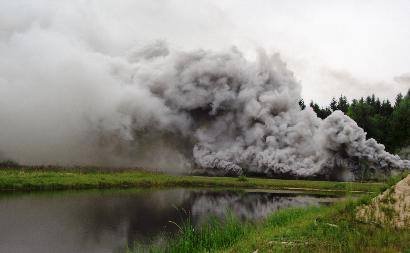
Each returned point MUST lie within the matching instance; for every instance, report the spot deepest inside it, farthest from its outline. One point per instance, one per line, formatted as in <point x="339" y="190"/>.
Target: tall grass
<point x="324" y="229"/>
<point x="340" y="231"/>
<point x="216" y="234"/>
<point x="311" y="229"/>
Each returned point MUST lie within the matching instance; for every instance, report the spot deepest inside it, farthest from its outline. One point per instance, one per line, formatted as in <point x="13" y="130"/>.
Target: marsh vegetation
<point x="187" y="213"/>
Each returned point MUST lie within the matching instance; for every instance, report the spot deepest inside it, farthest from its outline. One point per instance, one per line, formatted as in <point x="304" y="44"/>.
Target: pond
<point x="109" y="221"/>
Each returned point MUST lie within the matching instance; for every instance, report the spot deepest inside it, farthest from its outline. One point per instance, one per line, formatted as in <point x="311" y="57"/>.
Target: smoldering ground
<point x="69" y="98"/>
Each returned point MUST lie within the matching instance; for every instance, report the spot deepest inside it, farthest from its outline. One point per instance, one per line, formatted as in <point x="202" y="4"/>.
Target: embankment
<point x="30" y="179"/>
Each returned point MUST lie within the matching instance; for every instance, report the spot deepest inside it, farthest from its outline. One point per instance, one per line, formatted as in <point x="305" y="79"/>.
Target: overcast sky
<point x="334" y="47"/>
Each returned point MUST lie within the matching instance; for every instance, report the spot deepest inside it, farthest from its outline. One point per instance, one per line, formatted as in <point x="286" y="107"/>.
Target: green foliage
<point x="387" y="124"/>
<point x="332" y="228"/>
<point x="322" y="229"/>
<point x="213" y="235"/>
<point x="8" y="164"/>
<point x="320" y="112"/>
<point x="28" y="179"/>
<point x="361" y="113"/>
<point x="399" y="98"/>
<point x="343" y="104"/>
<point x="242" y="179"/>
<point x="395" y="179"/>
<point x="333" y="104"/>
<point x="400" y="124"/>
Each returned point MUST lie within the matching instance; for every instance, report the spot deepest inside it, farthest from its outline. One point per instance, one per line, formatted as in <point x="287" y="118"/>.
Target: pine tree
<point x="386" y="109"/>
<point x="377" y="106"/>
<point x="333" y="104"/>
<point x="302" y="104"/>
<point x="400" y="125"/>
<point x="399" y="98"/>
<point x="343" y="104"/>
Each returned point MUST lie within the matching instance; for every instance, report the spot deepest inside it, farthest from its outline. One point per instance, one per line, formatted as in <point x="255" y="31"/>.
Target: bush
<point x="242" y="178"/>
<point x="8" y="164"/>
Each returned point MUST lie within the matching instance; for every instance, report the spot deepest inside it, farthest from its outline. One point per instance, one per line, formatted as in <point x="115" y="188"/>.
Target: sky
<point x="354" y="48"/>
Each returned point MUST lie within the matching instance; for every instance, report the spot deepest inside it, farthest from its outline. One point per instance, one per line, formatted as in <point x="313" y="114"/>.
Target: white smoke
<point x="65" y="100"/>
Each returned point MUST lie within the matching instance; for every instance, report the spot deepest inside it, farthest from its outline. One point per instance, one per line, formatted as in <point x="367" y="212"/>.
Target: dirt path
<point x="391" y="208"/>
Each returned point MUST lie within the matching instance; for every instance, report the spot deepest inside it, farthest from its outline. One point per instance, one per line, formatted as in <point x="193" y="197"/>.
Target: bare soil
<point x="391" y="208"/>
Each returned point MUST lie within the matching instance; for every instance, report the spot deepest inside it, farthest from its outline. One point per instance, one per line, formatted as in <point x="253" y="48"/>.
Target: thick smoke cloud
<point x="66" y="100"/>
<point x="243" y="115"/>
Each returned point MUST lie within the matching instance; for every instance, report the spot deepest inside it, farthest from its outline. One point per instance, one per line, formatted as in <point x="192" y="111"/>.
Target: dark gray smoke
<point x="214" y="112"/>
<point x="241" y="115"/>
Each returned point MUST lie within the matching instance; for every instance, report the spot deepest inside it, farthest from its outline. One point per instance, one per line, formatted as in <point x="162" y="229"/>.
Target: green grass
<point x="213" y="235"/>
<point x="29" y="179"/>
<point x="312" y="229"/>
<point x="322" y="229"/>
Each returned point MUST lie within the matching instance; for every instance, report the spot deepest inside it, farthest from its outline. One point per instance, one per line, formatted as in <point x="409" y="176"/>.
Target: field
<point x="29" y="179"/>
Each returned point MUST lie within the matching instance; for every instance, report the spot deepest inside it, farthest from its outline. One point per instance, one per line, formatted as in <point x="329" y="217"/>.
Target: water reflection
<point x="249" y="206"/>
<point x="107" y="221"/>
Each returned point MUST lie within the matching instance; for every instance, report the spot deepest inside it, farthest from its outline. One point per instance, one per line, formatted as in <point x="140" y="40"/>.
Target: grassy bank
<point x="321" y="229"/>
<point x="28" y="179"/>
<point x="312" y="229"/>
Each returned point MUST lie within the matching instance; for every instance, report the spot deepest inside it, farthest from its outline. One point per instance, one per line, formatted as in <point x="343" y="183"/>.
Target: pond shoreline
<point x="29" y="179"/>
<point x="333" y="228"/>
<point x="112" y="220"/>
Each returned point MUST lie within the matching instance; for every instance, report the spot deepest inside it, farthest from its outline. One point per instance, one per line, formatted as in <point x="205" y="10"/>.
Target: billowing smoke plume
<point x="241" y="115"/>
<point x="70" y="95"/>
<point x="217" y="113"/>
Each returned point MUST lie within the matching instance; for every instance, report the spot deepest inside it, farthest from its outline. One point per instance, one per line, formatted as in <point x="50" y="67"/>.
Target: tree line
<point x="387" y="123"/>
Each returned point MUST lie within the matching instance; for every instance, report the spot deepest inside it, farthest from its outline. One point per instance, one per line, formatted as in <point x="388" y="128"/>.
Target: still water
<point x="108" y="221"/>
